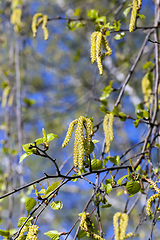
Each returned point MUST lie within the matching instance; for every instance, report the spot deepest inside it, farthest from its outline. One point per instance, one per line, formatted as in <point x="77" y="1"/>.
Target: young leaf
<point x="106" y="91"/>
<point x="101" y="19"/>
<point x="133" y="187"/>
<point x="93" y="14"/>
<point x="56" y="205"/>
<point x="22" y="220"/>
<point x="4" y="233"/>
<point x="24" y="156"/>
<point x="96" y="164"/>
<point x="81" y="234"/>
<point x="52" y="187"/>
<point x="30" y="203"/>
<point x="121" y="179"/>
<point x="77" y="12"/>
<point x="108" y="188"/>
<point x="54" y="235"/>
<point x="51" y="136"/>
<point x="106" y="205"/>
<point x="126" y="11"/>
<point x="114" y="160"/>
<point x="119" y="36"/>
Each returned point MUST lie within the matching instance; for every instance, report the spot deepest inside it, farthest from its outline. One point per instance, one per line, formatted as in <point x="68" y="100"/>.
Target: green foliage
<point x="121" y="179"/>
<point x="22" y="220"/>
<point x="30" y="204"/>
<point x="114" y="160"/>
<point x="93" y="14"/>
<point x="96" y="164"/>
<point x="4" y="233"/>
<point x="54" y="235"/>
<point x="51" y="188"/>
<point x="133" y="187"/>
<point x="56" y="205"/>
<point x="106" y="91"/>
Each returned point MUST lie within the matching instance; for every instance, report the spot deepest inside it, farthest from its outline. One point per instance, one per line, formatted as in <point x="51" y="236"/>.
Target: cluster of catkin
<point x="97" y="39"/>
<point x="16" y="15"/>
<point x="153" y="197"/>
<point x="108" y="130"/>
<point x="121" y="226"/>
<point x="38" y="19"/>
<point x="87" y="226"/>
<point x="82" y="142"/>
<point x="135" y="7"/>
<point x="32" y="232"/>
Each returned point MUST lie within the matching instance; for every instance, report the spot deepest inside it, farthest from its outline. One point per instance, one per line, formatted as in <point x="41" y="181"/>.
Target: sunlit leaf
<point x="121" y="179"/>
<point x="96" y="164"/>
<point x="114" y="160"/>
<point x="56" y="205"/>
<point x="52" y="187"/>
<point x="93" y="14"/>
<point x="24" y="156"/>
<point x="77" y="12"/>
<point x="106" y="205"/>
<point x="147" y="65"/>
<point x="4" y="233"/>
<point x="108" y="188"/>
<point x="101" y="19"/>
<point x="22" y="220"/>
<point x="51" y="136"/>
<point x="30" y="203"/>
<point x="119" y="36"/>
<point x="126" y="11"/>
<point x="133" y="187"/>
<point x="54" y="235"/>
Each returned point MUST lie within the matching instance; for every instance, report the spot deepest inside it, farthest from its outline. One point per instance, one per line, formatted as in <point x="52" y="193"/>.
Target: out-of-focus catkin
<point x="32" y="233"/>
<point x="38" y="19"/>
<point x="24" y="229"/>
<point x="82" y="142"/>
<point x="121" y="226"/>
<point x="108" y="130"/>
<point x="133" y="15"/>
<point x="97" y="40"/>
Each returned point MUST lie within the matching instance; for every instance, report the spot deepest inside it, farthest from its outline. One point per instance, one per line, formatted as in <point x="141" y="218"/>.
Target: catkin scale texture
<point x="133" y="15"/>
<point x="108" y="130"/>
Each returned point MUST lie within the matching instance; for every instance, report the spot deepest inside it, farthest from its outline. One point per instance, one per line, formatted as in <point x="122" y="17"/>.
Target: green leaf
<point x="126" y="11"/>
<point x="81" y="234"/>
<point x="114" y="160"/>
<point x="91" y="147"/>
<point x="106" y="91"/>
<point x="30" y="203"/>
<point x="22" y="220"/>
<point x="121" y="179"/>
<point x="101" y="19"/>
<point x="116" y="25"/>
<point x="141" y="16"/>
<point x="44" y="134"/>
<point x="77" y="12"/>
<point x="51" y="136"/>
<point x="93" y="14"/>
<point x="133" y="187"/>
<point x="96" y="164"/>
<point x="108" y="181"/>
<point x="52" y="187"/>
<point x="147" y="65"/>
<point x="56" y="205"/>
<point x="54" y="235"/>
<point x="108" y="188"/>
<point x="26" y="147"/>
<point x="24" y="156"/>
<point x="122" y="116"/>
<point x="4" y="233"/>
<point x="39" y="141"/>
<point x="106" y="205"/>
<point x="103" y="109"/>
<point x="119" y="36"/>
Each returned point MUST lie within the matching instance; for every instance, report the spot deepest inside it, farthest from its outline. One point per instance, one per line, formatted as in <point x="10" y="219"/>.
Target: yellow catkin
<point x="116" y="225"/>
<point x="24" y="229"/>
<point x="108" y="130"/>
<point x="153" y="184"/>
<point x="147" y="90"/>
<point x="128" y="235"/>
<point x="32" y="233"/>
<point x="108" y="49"/>
<point x="133" y="15"/>
<point x="80" y="142"/>
<point x="93" y="46"/>
<point x="149" y="203"/>
<point x="139" y="3"/>
<point x="87" y="227"/>
<point x="44" y="27"/>
<point x="95" y="236"/>
<point x="123" y="225"/>
<point x="69" y="133"/>
<point x="88" y="137"/>
<point x="98" y="44"/>
<point x="34" y="23"/>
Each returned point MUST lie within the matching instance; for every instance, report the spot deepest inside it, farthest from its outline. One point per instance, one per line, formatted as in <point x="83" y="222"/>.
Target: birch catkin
<point x="108" y="130"/>
<point x="133" y="15"/>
